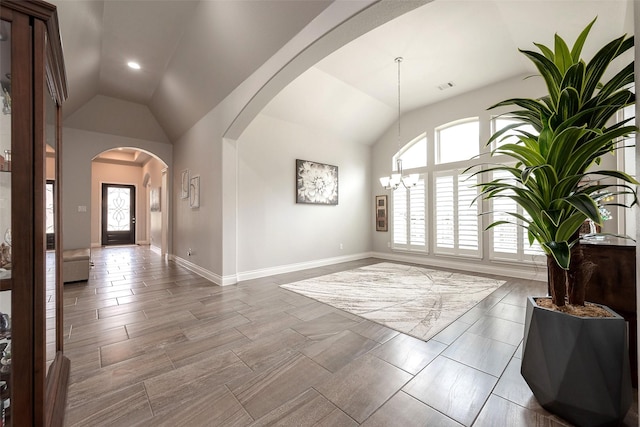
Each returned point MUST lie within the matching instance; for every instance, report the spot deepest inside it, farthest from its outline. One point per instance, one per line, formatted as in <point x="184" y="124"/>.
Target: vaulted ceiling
<point x="194" y="53"/>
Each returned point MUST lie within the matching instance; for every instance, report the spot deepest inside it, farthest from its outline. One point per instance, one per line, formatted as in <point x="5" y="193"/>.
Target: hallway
<point x="153" y="344"/>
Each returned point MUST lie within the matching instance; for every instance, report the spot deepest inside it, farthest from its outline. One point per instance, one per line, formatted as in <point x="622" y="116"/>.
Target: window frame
<point x="522" y="240"/>
<point x="436" y="141"/>
<point x="407" y="147"/>
<point x="456" y="250"/>
<point x="408" y="246"/>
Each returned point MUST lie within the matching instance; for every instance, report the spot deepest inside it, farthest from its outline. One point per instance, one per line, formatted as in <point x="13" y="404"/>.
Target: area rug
<point x="414" y="300"/>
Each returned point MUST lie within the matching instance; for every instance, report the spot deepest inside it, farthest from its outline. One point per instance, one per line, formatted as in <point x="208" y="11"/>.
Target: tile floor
<point x="152" y="344"/>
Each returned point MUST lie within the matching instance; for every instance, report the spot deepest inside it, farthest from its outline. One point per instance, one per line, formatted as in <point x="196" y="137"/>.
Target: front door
<point x="50" y="206"/>
<point x="118" y="214"/>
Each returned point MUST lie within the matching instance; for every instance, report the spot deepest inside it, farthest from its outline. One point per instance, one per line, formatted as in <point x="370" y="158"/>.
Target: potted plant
<point x="577" y="366"/>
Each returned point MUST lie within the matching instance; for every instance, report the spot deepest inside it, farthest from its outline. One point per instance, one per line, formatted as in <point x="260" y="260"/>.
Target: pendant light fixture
<point x="395" y="179"/>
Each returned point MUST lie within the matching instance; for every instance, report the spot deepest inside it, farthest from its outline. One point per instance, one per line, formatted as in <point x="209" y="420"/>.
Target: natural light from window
<point x="415" y="155"/>
<point x="509" y="136"/>
<point x="458" y="141"/>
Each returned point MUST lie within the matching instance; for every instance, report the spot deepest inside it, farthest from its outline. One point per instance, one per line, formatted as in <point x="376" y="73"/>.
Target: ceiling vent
<point x="445" y="86"/>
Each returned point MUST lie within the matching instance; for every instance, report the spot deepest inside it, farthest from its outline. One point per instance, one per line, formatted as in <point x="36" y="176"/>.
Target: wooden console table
<point x="613" y="284"/>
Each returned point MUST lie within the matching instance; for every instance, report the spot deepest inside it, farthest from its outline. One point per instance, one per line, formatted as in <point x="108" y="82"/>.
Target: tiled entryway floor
<point x="153" y="344"/>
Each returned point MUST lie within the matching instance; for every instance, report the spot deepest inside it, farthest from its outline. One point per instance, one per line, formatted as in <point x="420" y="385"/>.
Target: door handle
<point x="133" y="220"/>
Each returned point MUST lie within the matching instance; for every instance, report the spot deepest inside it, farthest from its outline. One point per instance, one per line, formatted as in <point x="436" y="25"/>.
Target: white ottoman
<point x="75" y="265"/>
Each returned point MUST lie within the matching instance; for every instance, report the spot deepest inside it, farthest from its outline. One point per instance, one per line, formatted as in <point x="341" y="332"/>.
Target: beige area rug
<point x="414" y="300"/>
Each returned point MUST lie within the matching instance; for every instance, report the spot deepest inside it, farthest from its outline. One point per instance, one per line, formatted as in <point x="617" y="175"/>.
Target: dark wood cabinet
<point x="33" y="88"/>
<point x="613" y="284"/>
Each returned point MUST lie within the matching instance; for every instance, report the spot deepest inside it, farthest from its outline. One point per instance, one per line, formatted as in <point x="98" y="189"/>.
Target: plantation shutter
<point x="400" y="217"/>
<point x="409" y="217"/>
<point x="417" y="222"/>
<point x="467" y="213"/>
<point x="505" y="236"/>
<point x="444" y="212"/>
<point x="535" y="249"/>
<point x="457" y="222"/>
<point x="510" y="241"/>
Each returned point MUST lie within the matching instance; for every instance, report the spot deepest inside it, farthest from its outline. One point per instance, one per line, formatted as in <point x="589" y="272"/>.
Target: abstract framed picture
<point x="185" y="184"/>
<point x="194" y="192"/>
<point x="154" y="199"/>
<point x="382" y="219"/>
<point x="316" y="183"/>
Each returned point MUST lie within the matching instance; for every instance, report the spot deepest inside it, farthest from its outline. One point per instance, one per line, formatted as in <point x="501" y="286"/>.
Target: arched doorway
<point x="129" y="199"/>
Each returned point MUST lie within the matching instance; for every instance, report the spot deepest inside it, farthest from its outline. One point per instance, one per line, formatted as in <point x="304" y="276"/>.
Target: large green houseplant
<point x="575" y="367"/>
<point x="551" y="177"/>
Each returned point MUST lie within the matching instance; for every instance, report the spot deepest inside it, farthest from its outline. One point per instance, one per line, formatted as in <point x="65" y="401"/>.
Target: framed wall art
<point x="382" y="219"/>
<point x="194" y="192"/>
<point x="316" y="183"/>
<point x="154" y="199"/>
<point x="185" y="184"/>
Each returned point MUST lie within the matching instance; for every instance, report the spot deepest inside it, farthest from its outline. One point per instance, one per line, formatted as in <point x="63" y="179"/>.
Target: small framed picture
<point x="154" y="202"/>
<point x="382" y="221"/>
<point x="194" y="192"/>
<point x="185" y="184"/>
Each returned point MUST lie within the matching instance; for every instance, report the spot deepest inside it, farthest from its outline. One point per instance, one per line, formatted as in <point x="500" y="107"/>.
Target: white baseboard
<point x="502" y="269"/>
<point x="271" y="271"/>
<point x="95" y="245"/>
<point x="155" y="249"/>
<point x="528" y="272"/>
<point x="256" y="274"/>
<point x="143" y="242"/>
<point x="209" y="275"/>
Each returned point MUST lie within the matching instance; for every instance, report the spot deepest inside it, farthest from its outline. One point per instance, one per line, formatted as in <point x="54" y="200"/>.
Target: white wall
<point x="79" y="149"/>
<point x="154" y="168"/>
<point x="275" y="231"/>
<point x="209" y="147"/>
<point x="200" y="230"/>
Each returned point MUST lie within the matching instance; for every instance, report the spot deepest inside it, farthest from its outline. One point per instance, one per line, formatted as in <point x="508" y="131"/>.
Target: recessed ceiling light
<point x="134" y="65"/>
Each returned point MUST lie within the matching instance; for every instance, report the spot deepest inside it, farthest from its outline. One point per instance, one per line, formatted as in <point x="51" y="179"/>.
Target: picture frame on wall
<point x="154" y="200"/>
<point x="185" y="184"/>
<point x="316" y="183"/>
<point x="194" y="192"/>
<point x="382" y="219"/>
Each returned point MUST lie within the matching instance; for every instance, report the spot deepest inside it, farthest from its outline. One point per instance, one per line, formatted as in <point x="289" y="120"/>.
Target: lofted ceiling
<point x="194" y="53"/>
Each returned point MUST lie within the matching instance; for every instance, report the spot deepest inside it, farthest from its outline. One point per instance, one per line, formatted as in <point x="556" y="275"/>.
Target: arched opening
<point x="129" y="199"/>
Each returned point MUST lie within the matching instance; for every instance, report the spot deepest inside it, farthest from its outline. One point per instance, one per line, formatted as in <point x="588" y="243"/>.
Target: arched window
<point x="414" y="154"/>
<point x="456" y="224"/>
<point x="457" y="141"/>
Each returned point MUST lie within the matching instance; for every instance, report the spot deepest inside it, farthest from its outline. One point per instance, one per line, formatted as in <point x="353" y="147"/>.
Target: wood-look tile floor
<point x="152" y="344"/>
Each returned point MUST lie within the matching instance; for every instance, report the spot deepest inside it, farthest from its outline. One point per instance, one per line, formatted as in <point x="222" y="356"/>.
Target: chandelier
<point x="396" y="178"/>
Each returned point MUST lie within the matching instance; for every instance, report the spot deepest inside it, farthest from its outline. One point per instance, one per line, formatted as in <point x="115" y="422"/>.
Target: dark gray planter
<point x="577" y="368"/>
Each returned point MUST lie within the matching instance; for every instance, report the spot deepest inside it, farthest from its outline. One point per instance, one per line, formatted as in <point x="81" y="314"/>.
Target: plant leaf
<point x="576" y="51"/>
<point x="560" y="252"/>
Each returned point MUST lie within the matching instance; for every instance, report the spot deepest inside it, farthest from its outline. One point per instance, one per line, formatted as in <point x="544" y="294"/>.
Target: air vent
<point x="445" y="86"/>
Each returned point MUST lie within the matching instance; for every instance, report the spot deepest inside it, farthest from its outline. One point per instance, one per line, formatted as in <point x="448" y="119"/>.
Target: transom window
<point x="414" y="155"/>
<point x="458" y="141"/>
<point x="509" y="136"/>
